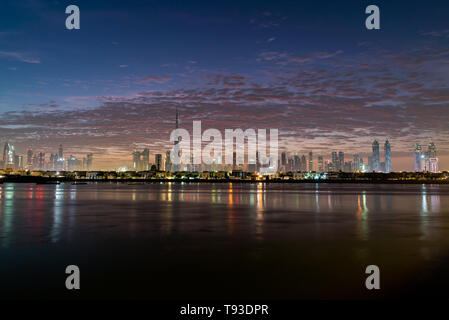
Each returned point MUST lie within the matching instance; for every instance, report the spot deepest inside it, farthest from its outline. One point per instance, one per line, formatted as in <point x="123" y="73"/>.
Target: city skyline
<point x="424" y="161"/>
<point x="326" y="83"/>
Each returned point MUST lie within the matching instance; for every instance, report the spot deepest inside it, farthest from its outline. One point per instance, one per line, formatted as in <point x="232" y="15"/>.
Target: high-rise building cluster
<point x="337" y="161"/>
<point x="426" y="161"/>
<point x="39" y="161"/>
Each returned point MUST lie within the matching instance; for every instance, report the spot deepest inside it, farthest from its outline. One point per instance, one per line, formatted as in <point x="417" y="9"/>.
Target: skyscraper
<point x="297" y="163"/>
<point x="8" y="156"/>
<point x="303" y="163"/>
<point x="41" y="160"/>
<point x="418" y="158"/>
<point x="387" y="150"/>
<point x="376" y="156"/>
<point x="356" y="164"/>
<point x="432" y="158"/>
<point x="334" y="161"/>
<point x="145" y="161"/>
<point x="29" y="158"/>
<point x="136" y="160"/>
<point x="158" y="161"/>
<point x="320" y="164"/>
<point x="341" y="161"/>
<point x="283" y="161"/>
<point x="167" y="160"/>
<point x="310" y="161"/>
<point x="60" y="159"/>
<point x="176" y="149"/>
<point x="89" y="161"/>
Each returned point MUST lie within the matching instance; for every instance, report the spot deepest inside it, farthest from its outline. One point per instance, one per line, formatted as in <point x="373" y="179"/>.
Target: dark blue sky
<point x="309" y="68"/>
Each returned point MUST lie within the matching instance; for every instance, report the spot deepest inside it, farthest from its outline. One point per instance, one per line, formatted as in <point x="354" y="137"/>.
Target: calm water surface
<point x="167" y="240"/>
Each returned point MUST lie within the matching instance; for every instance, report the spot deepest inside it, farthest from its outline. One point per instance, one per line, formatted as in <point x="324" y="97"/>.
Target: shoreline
<point x="46" y="180"/>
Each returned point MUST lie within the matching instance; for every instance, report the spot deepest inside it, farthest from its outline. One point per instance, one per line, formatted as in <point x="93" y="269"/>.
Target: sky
<point x="310" y="69"/>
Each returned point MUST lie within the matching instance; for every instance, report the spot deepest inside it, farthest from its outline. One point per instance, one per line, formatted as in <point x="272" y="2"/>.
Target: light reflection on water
<point x="32" y="213"/>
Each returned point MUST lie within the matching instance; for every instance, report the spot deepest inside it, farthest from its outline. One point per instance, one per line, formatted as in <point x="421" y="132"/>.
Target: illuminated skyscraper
<point x="60" y="159"/>
<point x="376" y="156"/>
<point x="303" y="163"/>
<point x="158" y="161"/>
<point x="8" y="156"/>
<point x="310" y="161"/>
<point x="176" y="149"/>
<point x="432" y="159"/>
<point x="418" y="158"/>
<point x="89" y="161"/>
<point x="283" y="161"/>
<point x="30" y="158"/>
<point x="145" y="161"/>
<point x="320" y="164"/>
<point x="334" y="161"/>
<point x="387" y="150"/>
<point x="297" y="163"/>
<point x="41" y="161"/>
<point x="432" y="150"/>
<point x="356" y="163"/>
<point x="136" y="160"/>
<point x="167" y="161"/>
<point x="341" y="161"/>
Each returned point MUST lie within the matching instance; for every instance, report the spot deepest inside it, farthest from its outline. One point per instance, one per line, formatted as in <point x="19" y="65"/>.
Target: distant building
<point x="8" y="156"/>
<point x="418" y="158"/>
<point x="168" y="166"/>
<point x="297" y="162"/>
<point x="145" y="161"/>
<point x="432" y="160"/>
<point x="310" y="161"/>
<point x="41" y="160"/>
<point x="341" y="161"/>
<point x="387" y="149"/>
<point x="320" y="164"/>
<point x="158" y="161"/>
<point x="334" y="162"/>
<point x="356" y="163"/>
<point x="303" y="163"/>
<point x="283" y="161"/>
<point x="370" y="164"/>
<point x="376" y="156"/>
<point x="89" y="161"/>
<point x="30" y="158"/>
<point x="136" y="160"/>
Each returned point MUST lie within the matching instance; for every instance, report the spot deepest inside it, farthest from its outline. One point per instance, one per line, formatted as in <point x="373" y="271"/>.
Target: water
<point x="223" y="240"/>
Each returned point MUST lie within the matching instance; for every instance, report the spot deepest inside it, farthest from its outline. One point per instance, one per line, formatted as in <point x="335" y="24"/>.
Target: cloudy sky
<point x="308" y="68"/>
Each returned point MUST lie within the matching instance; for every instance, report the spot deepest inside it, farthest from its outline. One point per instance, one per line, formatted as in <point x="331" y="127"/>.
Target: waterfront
<point x="223" y="240"/>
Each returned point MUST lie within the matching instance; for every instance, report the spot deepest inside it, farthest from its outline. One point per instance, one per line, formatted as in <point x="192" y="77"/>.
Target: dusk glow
<point x="312" y="71"/>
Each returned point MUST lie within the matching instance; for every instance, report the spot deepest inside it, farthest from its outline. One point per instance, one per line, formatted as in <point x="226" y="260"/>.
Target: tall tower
<point x="29" y="158"/>
<point x="158" y="161"/>
<point x="320" y="164"/>
<point x="432" y="150"/>
<point x="167" y="161"/>
<point x="432" y="158"/>
<point x="283" y="161"/>
<point x="341" y="161"/>
<point x="60" y="154"/>
<point x="310" y="161"/>
<point x="334" y="161"/>
<point x="387" y="150"/>
<point x="376" y="156"/>
<point x="89" y="161"/>
<point x="145" y="165"/>
<point x="418" y="158"/>
<point x="356" y="164"/>
<point x="176" y="167"/>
